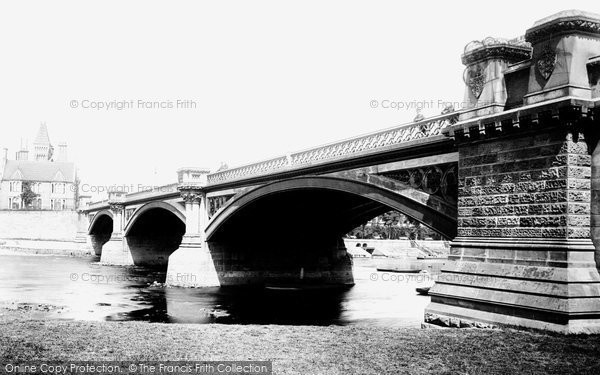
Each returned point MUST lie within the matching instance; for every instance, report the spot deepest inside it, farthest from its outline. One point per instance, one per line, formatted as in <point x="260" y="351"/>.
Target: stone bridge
<point x="270" y="220"/>
<point x="512" y="178"/>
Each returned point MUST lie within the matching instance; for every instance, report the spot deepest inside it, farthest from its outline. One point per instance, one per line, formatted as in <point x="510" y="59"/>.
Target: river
<point x="84" y="289"/>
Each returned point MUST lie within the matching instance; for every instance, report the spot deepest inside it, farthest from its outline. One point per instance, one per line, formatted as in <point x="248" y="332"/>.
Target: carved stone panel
<point x="546" y="62"/>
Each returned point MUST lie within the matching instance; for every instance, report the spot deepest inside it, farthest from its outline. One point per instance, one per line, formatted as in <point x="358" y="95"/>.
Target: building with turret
<point x="46" y="182"/>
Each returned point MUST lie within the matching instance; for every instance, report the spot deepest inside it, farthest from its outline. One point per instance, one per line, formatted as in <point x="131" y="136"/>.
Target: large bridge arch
<point x="377" y="200"/>
<point x="292" y="230"/>
<point x="153" y="233"/>
<point x="100" y="230"/>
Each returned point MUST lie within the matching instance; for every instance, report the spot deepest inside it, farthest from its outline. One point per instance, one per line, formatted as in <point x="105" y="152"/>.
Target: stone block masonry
<point x="533" y="187"/>
<point x="523" y="255"/>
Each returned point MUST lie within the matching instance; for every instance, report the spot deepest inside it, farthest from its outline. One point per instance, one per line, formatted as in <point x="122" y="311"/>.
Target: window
<point x="15" y="186"/>
<point x="14" y="203"/>
<point x="58" y="204"/>
<point x="36" y="204"/>
<point x="58" y="188"/>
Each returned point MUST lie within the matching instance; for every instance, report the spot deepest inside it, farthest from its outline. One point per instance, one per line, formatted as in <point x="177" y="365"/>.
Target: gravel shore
<point x="300" y="349"/>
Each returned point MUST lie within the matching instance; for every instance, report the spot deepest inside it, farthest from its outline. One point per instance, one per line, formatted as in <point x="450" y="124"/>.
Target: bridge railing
<point x="153" y="191"/>
<point x="150" y="192"/>
<point x="96" y="205"/>
<point x="346" y="148"/>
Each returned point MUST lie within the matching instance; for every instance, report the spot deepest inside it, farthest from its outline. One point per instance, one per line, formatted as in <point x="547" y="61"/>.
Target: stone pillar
<point x="115" y="251"/>
<point x="595" y="193"/>
<point x="485" y="64"/>
<point x="524" y="255"/>
<point x="191" y="265"/>
<point x="562" y="46"/>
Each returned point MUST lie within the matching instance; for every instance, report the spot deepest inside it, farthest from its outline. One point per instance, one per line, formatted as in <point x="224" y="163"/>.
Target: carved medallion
<point x="474" y="78"/>
<point x="546" y="62"/>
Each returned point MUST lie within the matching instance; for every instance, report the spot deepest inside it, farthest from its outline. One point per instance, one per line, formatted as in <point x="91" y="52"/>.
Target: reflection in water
<point x="91" y="291"/>
<point x="254" y="305"/>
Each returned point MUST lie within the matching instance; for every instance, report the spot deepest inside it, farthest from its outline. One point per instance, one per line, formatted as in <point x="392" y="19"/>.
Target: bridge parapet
<point x="348" y="148"/>
<point x="153" y="192"/>
<point x="96" y="206"/>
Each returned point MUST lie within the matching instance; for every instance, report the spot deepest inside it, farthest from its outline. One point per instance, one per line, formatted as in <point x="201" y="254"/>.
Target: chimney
<point x="62" y="152"/>
<point x="23" y="154"/>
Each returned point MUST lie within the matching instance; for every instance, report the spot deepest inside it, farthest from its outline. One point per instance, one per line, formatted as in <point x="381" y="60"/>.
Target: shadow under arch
<point x="153" y="233"/>
<point x="292" y="230"/>
<point x="379" y="196"/>
<point x="149" y="206"/>
<point x="100" y="230"/>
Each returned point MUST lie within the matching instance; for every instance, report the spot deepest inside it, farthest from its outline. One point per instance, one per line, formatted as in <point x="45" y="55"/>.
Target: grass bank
<point x="303" y="349"/>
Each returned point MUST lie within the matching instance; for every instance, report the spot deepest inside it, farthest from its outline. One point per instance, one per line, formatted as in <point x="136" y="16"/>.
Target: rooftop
<point x="42" y="171"/>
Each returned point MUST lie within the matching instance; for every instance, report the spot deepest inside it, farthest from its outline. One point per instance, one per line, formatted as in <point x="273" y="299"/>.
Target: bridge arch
<point x="375" y="201"/>
<point x="98" y="217"/>
<point x="292" y="230"/>
<point x="150" y="206"/>
<point x="153" y="233"/>
<point x="100" y="230"/>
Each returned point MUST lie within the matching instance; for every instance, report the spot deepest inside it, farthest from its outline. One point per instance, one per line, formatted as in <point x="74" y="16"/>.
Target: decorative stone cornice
<point x="189" y="186"/>
<point x="572" y="21"/>
<point x="513" y="50"/>
<point x="567" y="112"/>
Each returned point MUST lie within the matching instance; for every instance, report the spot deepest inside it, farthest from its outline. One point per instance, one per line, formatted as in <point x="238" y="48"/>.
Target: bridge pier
<point x="279" y="262"/>
<point x="191" y="265"/>
<point x="115" y="251"/>
<point x="523" y="255"/>
<point x="97" y="241"/>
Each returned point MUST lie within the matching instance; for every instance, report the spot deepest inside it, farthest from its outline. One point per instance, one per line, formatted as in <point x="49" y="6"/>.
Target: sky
<point x="139" y="89"/>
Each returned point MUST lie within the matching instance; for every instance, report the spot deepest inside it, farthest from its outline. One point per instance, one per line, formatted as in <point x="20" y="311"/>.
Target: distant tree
<point x="390" y="220"/>
<point x="393" y="225"/>
<point x="27" y="194"/>
<point x="76" y="189"/>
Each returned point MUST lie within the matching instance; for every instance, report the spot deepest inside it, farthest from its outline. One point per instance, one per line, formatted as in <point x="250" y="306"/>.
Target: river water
<point x="86" y="290"/>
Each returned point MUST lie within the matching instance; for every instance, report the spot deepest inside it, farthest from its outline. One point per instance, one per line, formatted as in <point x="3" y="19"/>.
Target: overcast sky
<point x="265" y="77"/>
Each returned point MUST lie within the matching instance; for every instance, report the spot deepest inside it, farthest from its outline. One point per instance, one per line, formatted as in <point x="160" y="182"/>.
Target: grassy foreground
<point x="303" y="349"/>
